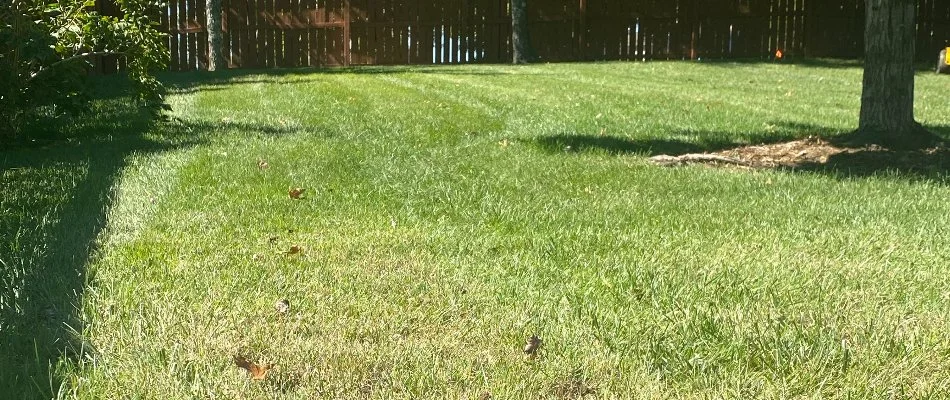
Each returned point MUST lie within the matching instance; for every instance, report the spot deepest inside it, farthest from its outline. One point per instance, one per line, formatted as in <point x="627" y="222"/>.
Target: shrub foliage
<point x="47" y="47"/>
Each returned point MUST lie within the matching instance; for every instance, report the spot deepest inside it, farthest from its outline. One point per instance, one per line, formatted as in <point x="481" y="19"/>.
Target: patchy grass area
<point x="451" y="213"/>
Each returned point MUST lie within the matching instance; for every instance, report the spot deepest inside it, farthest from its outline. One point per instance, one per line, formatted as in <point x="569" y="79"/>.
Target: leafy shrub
<point x="47" y="46"/>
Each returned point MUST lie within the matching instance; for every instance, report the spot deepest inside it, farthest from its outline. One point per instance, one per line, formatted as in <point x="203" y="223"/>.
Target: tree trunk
<point x="520" y="38"/>
<point x="215" y="58"/>
<point x="887" y="101"/>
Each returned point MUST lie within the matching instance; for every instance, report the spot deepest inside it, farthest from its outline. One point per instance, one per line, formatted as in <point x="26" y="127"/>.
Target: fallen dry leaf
<point x="282" y="306"/>
<point x="486" y="395"/>
<point x="258" y="372"/>
<point x="261" y="164"/>
<point x="532" y="345"/>
<point x="295" y="249"/>
<point x="295" y="193"/>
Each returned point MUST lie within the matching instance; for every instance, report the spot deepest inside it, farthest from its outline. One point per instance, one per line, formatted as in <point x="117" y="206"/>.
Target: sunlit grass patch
<point x="450" y="213"/>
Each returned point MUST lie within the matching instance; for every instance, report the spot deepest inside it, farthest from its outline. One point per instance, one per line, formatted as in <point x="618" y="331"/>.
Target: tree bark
<point x="215" y="57"/>
<point x="522" y="51"/>
<point x="887" y="100"/>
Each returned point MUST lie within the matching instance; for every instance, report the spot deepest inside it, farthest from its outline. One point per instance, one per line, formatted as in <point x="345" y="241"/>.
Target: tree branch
<point x="73" y="58"/>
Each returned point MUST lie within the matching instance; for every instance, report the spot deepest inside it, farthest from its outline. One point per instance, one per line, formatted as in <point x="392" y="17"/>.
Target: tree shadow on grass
<point x="55" y="198"/>
<point x="686" y="141"/>
<point x="925" y="62"/>
<point x="927" y="164"/>
<point x="931" y="164"/>
<point x="829" y="63"/>
<point x="187" y="82"/>
<point x="55" y="195"/>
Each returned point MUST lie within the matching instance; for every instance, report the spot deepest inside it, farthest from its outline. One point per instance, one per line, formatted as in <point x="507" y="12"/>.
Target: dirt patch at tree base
<point x="814" y="152"/>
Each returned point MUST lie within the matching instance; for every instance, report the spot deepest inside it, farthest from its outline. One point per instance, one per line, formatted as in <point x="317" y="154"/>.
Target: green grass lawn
<point x="452" y="212"/>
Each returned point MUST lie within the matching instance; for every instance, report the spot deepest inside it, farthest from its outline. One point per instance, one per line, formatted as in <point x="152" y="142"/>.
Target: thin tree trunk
<point x="520" y="38"/>
<point x="215" y="57"/>
<point x="887" y="101"/>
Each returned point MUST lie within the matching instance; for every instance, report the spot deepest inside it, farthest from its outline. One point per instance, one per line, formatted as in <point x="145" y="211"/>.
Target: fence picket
<point x="293" y="33"/>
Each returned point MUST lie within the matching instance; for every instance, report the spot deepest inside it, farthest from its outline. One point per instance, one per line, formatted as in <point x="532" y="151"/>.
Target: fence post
<point x="689" y="18"/>
<point x="213" y="24"/>
<point x="107" y="64"/>
<point x="806" y="33"/>
<point x="346" y="32"/>
<point x="582" y="35"/>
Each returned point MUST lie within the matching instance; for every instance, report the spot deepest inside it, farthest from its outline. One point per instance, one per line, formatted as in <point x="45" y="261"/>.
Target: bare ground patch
<point x="814" y="153"/>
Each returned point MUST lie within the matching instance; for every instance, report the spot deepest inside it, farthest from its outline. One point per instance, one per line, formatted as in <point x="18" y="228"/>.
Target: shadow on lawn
<point x="56" y="197"/>
<point x="697" y="142"/>
<point x="922" y="65"/>
<point x="929" y="164"/>
<point x="187" y="82"/>
<point x="830" y="63"/>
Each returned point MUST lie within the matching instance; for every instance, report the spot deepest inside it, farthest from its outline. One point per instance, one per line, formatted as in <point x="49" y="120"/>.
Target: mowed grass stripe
<point x="433" y="248"/>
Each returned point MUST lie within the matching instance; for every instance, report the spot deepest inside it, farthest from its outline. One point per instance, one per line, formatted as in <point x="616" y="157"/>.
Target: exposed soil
<point x="814" y="152"/>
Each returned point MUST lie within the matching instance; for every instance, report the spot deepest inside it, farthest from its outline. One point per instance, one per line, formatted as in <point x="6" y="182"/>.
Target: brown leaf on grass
<point x="258" y="372"/>
<point x="261" y="164"/>
<point x="295" y="193"/>
<point x="532" y="345"/>
<point x="282" y="306"/>
<point x="486" y="395"/>
<point x="295" y="249"/>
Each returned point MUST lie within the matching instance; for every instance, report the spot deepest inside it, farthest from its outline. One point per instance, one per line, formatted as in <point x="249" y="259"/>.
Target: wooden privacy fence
<point x="295" y="33"/>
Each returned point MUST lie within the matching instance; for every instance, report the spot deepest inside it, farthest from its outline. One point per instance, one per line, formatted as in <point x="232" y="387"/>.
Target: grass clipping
<point x="810" y="152"/>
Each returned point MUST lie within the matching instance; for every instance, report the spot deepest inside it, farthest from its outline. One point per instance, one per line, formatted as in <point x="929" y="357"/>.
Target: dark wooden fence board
<point x="317" y="33"/>
<point x="170" y="23"/>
